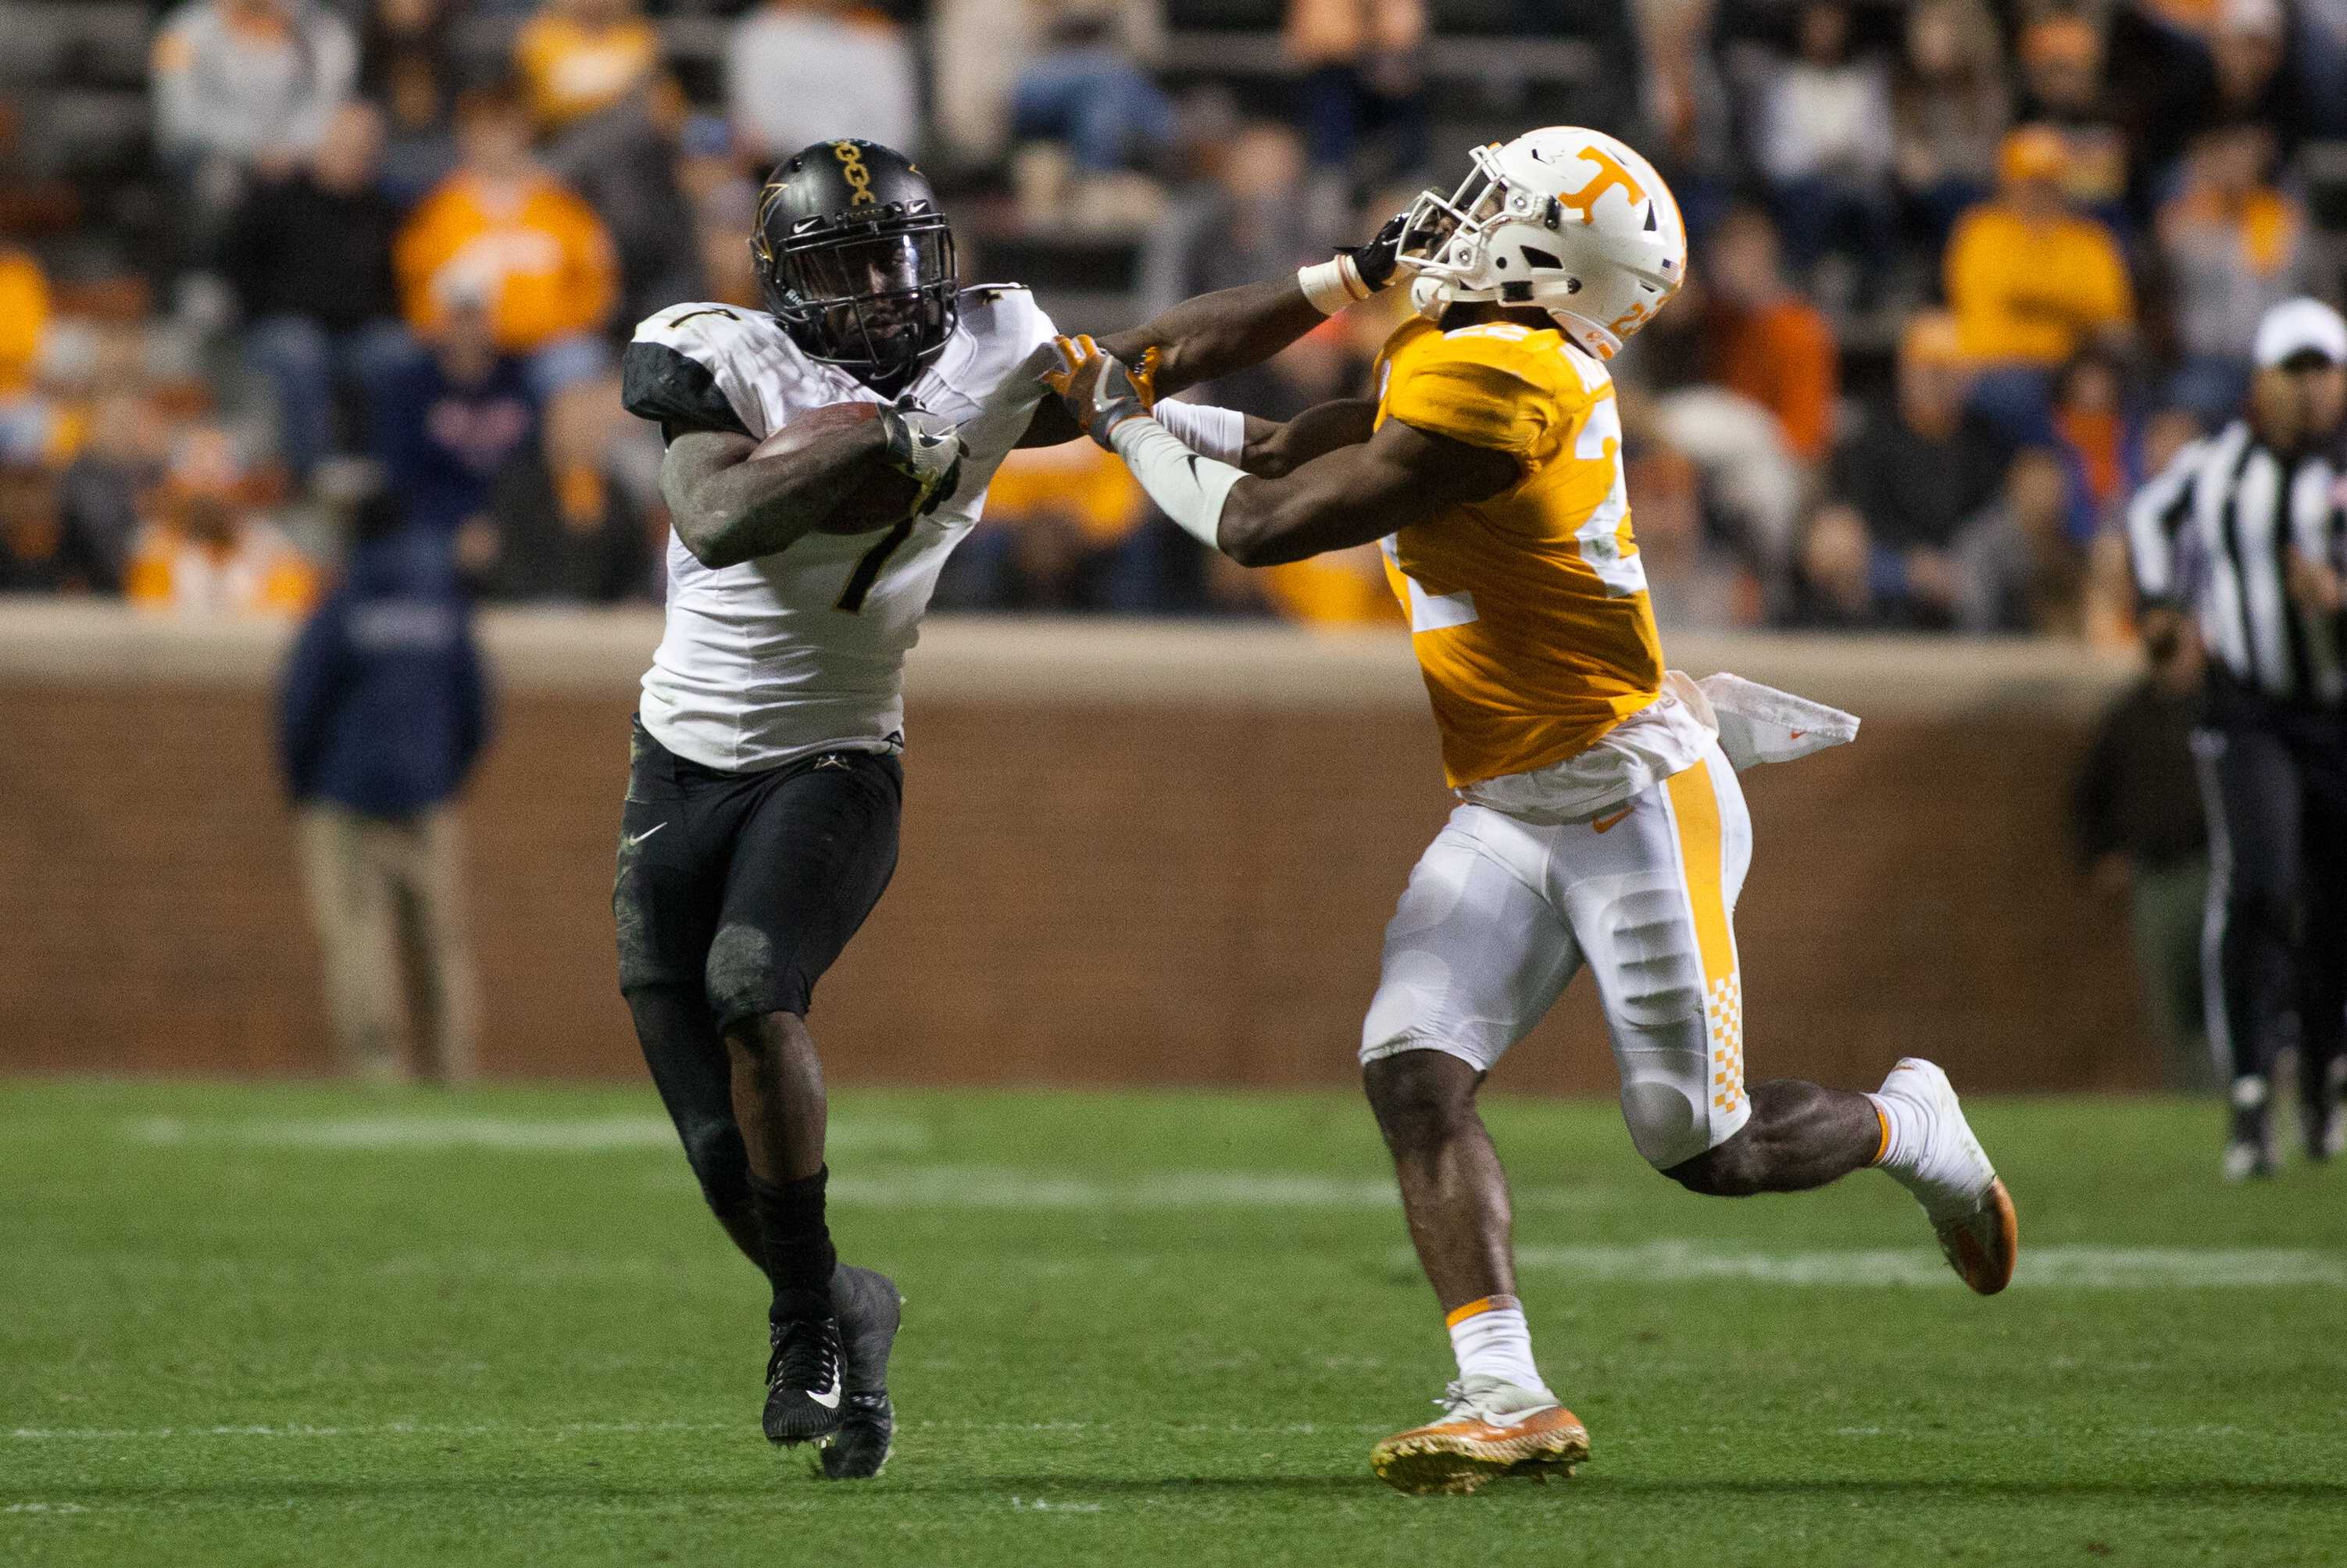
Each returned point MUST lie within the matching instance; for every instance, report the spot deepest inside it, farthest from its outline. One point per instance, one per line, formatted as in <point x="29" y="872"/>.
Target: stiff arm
<point x="1331" y="478"/>
<point x="1234" y="329"/>
<point x="1197" y="340"/>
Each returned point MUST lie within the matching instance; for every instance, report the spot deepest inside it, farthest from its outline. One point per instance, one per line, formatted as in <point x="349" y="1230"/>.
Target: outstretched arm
<point x="1351" y="493"/>
<point x="1231" y="329"/>
<point x="1215" y="334"/>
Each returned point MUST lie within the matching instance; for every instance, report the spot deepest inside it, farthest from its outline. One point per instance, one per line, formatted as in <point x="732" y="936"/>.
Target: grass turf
<point x="293" y="1324"/>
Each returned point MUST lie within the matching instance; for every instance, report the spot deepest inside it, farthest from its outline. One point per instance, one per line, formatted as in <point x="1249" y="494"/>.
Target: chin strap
<point x="1187" y="487"/>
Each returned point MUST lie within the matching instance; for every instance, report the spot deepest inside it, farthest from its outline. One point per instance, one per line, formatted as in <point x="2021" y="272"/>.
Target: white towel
<point x="1758" y="723"/>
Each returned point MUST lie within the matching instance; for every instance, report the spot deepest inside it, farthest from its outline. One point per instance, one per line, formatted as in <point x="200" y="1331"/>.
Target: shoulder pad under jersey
<point x="676" y="369"/>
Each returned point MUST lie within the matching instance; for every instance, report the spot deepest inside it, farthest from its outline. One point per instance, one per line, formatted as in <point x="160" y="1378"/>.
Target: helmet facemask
<point x="1435" y="226"/>
<point x="876" y="298"/>
<point x="1507" y="239"/>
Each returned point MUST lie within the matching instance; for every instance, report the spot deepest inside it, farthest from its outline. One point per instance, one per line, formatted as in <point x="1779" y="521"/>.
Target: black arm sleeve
<point x="678" y="391"/>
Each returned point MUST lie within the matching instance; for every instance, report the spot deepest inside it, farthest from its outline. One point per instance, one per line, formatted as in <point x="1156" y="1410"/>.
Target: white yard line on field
<point x="855" y="1134"/>
<point x="520" y="1430"/>
<point x="383" y="1429"/>
<point x="1004" y="1187"/>
<point x="2072" y="1268"/>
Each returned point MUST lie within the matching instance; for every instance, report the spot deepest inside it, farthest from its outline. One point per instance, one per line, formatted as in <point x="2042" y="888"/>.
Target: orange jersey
<point x="541" y="261"/>
<point x="570" y="71"/>
<point x="1529" y="611"/>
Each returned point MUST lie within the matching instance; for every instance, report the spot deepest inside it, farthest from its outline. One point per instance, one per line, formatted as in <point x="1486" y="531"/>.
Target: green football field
<point x="309" y="1325"/>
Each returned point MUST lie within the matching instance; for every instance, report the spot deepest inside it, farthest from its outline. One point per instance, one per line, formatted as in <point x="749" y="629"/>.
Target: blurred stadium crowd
<point x="277" y="273"/>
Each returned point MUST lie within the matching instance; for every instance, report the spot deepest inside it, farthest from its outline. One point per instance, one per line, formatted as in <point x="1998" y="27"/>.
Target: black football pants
<point x="2275" y="956"/>
<point x="734" y="893"/>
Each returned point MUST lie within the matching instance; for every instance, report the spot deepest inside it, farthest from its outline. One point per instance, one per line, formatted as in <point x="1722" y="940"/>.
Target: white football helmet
<point x="1565" y="219"/>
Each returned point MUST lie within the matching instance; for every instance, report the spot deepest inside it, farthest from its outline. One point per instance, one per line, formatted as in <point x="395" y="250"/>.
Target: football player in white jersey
<point x="763" y="789"/>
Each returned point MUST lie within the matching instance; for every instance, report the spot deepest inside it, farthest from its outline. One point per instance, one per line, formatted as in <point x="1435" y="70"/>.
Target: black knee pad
<point x="745" y="976"/>
<point x="720" y="1162"/>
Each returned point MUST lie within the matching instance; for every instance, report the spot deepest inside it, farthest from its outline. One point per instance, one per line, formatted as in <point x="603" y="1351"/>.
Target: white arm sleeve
<point x="1210" y="432"/>
<point x="1187" y="487"/>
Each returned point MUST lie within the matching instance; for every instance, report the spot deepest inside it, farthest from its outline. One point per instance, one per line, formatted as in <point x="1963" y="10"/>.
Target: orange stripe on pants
<point x="1694" y="807"/>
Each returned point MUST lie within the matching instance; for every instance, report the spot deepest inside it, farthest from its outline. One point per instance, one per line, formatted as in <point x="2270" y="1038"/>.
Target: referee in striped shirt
<point x="2242" y="541"/>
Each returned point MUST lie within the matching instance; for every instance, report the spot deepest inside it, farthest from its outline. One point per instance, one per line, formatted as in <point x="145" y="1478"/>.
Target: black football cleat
<point x="870" y="1311"/>
<point x="867" y="1428"/>
<point x="802" y="1386"/>
<point x="2251" y="1153"/>
<point x="2320" y="1115"/>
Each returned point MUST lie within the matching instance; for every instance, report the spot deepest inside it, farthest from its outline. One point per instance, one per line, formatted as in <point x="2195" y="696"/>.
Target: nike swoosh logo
<point x="1516" y="1419"/>
<point x="1795" y="734"/>
<point x="630" y="840"/>
<point x="1603" y="823"/>
<point x="829" y="1401"/>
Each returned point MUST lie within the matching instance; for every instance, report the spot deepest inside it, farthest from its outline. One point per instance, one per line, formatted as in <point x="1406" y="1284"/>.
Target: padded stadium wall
<point x="1134" y="854"/>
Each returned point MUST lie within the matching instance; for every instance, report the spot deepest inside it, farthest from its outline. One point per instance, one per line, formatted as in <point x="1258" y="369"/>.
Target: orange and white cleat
<point x="1951" y="1176"/>
<point x="1491" y="1429"/>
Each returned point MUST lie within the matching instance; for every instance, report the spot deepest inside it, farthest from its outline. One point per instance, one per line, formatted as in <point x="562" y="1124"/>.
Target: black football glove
<point x="1382" y="258"/>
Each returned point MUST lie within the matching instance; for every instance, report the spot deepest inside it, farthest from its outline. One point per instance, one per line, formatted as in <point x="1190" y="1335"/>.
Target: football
<point x="885" y="499"/>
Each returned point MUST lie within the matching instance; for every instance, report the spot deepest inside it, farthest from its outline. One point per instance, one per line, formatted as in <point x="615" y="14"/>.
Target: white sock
<point x="1490" y="1337"/>
<point x="1903" y="1133"/>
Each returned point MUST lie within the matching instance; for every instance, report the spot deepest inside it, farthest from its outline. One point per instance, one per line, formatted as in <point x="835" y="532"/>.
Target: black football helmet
<point x="856" y="260"/>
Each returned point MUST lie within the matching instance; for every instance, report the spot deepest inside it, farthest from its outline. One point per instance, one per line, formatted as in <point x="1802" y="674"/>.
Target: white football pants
<point x="1500" y="914"/>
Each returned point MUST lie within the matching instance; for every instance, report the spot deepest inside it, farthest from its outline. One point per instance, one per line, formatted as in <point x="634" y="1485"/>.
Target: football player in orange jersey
<point x="1600" y="823"/>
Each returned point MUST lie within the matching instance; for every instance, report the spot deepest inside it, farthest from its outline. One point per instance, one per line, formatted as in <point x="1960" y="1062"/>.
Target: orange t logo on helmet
<point x="1609" y="173"/>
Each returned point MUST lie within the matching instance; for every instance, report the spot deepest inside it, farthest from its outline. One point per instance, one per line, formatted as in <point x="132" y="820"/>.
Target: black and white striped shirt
<point x="2212" y="533"/>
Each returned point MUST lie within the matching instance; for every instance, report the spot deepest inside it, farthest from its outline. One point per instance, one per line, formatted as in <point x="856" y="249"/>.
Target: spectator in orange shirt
<point x="24" y="316"/>
<point x="577" y="56"/>
<point x="210" y="551"/>
<point x="2031" y="282"/>
<point x="502" y="233"/>
<point x="1765" y="342"/>
<point x="26" y="421"/>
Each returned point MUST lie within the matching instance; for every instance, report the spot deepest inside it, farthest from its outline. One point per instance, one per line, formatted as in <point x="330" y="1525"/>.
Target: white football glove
<point x="925" y="446"/>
